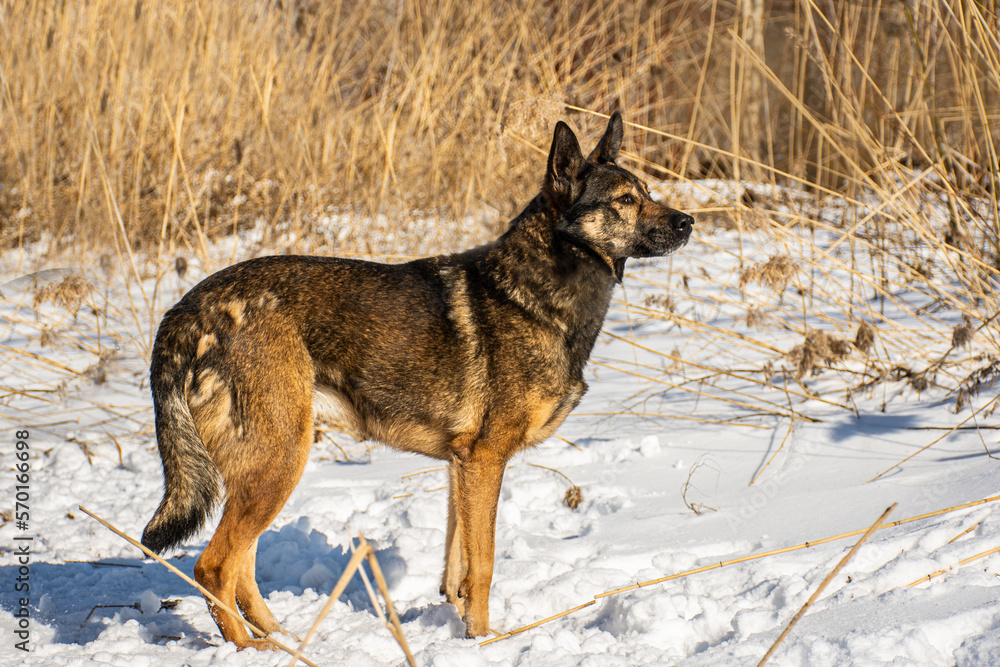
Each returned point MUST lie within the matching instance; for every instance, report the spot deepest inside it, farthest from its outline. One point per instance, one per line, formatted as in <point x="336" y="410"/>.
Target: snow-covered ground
<point x="767" y="461"/>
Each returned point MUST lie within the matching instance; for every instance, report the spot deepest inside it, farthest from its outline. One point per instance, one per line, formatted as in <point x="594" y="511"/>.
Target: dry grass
<point x="187" y="120"/>
<point x="173" y="122"/>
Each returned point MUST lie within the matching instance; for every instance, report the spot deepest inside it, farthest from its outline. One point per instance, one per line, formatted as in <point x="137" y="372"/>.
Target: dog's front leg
<point x="479" y="479"/>
<point x="455" y="566"/>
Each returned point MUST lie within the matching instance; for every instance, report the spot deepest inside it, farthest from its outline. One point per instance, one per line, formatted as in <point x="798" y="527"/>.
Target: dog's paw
<point x="476" y="625"/>
<point x="259" y="644"/>
<point x="474" y="629"/>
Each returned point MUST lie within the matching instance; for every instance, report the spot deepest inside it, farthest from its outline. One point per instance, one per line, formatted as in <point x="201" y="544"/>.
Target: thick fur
<point x="468" y="358"/>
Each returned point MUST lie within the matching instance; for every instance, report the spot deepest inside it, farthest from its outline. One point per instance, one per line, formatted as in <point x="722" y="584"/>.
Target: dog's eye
<point x="626" y="200"/>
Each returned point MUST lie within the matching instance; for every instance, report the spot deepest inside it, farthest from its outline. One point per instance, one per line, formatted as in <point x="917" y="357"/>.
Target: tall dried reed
<point x="188" y="119"/>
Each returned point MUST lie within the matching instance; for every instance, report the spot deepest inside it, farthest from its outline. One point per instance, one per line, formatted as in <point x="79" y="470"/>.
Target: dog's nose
<point x="681" y="221"/>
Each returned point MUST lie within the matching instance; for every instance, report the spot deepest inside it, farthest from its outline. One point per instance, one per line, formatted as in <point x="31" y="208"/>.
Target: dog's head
<point x="605" y="208"/>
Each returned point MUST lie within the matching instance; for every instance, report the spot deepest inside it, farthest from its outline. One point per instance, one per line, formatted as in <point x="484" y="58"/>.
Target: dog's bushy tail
<point x="191" y="480"/>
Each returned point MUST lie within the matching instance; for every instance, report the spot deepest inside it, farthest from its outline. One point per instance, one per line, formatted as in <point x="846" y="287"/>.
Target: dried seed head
<point x="663" y="302"/>
<point x="919" y="382"/>
<point x="971" y="386"/>
<point x="756" y="318"/>
<point x="865" y="337"/>
<point x="180" y="266"/>
<point x="818" y="349"/>
<point x="573" y="497"/>
<point x="962" y="399"/>
<point x="962" y="335"/>
<point x="68" y="293"/>
<point x="46" y="338"/>
<point x="774" y="273"/>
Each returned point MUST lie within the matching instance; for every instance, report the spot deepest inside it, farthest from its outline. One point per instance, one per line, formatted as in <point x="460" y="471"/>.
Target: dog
<point x="468" y="358"/>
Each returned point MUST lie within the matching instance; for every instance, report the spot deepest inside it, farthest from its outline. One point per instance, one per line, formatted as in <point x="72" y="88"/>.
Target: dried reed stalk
<point x="964" y="561"/>
<point x="930" y="444"/>
<point x="776" y="411"/>
<point x="791" y="427"/>
<point x="964" y="532"/>
<point x="345" y="578"/>
<point x="394" y="625"/>
<point x="368" y="587"/>
<point x="812" y="599"/>
<point x="732" y="374"/>
<point x="363" y="551"/>
<point x="536" y="623"/>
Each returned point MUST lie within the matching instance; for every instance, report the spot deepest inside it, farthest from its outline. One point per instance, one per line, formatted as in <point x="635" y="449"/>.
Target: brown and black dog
<point x="468" y="358"/>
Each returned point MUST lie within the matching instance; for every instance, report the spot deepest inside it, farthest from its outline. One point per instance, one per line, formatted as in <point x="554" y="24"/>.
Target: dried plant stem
<point x="552" y="470"/>
<point x="776" y="411"/>
<point x="735" y="336"/>
<point x="681" y="360"/>
<point x="569" y="442"/>
<point x="216" y="601"/>
<point x="394" y="626"/>
<point x="364" y="550"/>
<point x="368" y="587"/>
<point x="424" y="472"/>
<point x="791" y="427"/>
<point x="964" y="532"/>
<point x="408" y="495"/>
<point x="536" y="623"/>
<point x="812" y="599"/>
<point x="672" y="416"/>
<point x="345" y="578"/>
<point x="930" y="444"/>
<point x="31" y="355"/>
<point x="964" y="561"/>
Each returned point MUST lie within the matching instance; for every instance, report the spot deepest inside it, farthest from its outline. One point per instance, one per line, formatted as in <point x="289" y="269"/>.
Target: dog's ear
<point x="566" y="162"/>
<point x="610" y="144"/>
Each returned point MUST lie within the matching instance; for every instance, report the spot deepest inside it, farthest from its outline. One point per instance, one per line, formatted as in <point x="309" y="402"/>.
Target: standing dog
<point x="468" y="358"/>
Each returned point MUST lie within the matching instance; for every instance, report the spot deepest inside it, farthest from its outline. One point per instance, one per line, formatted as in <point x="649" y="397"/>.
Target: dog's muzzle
<point x="682" y="222"/>
<point x="671" y="232"/>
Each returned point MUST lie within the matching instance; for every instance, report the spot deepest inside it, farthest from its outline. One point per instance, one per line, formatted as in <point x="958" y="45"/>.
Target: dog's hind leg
<point x="248" y="597"/>
<point x="220" y="567"/>
<point x="226" y="567"/>
<point x="455" y="566"/>
<point x="258" y="427"/>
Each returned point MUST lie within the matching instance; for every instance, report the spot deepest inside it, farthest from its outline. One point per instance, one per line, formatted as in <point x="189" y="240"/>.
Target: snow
<point x="652" y="439"/>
